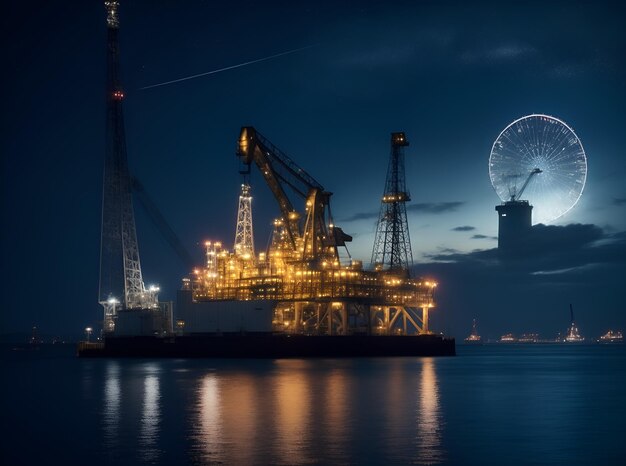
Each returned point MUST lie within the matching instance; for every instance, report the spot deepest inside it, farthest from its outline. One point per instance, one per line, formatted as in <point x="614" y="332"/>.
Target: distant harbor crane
<point x="573" y="336"/>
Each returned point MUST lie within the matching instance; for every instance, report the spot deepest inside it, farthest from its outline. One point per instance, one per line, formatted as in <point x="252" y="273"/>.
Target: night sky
<point x="450" y="74"/>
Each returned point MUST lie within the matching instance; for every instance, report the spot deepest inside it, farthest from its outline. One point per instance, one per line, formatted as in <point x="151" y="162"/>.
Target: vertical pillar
<point x="344" y="318"/>
<point x="297" y="317"/>
<point x="318" y="308"/>
<point x="329" y="314"/>
<point x="386" y="320"/>
<point x="425" y="320"/>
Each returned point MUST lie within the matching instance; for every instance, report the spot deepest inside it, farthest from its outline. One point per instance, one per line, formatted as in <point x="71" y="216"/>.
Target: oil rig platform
<point x="304" y="296"/>
<point x="316" y="291"/>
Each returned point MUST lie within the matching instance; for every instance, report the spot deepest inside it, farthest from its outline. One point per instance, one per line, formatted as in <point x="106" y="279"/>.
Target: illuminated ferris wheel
<point x="541" y="158"/>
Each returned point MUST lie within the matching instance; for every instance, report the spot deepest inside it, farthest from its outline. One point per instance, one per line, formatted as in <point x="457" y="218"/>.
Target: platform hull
<point x="273" y="346"/>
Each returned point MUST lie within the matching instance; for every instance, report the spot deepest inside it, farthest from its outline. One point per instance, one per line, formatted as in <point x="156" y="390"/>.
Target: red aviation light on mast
<point x="118" y="95"/>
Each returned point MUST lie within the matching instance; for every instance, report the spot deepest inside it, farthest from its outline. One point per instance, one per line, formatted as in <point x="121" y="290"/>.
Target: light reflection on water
<point x="285" y="412"/>
<point x="336" y="408"/>
<point x="490" y="405"/>
<point x="111" y="412"/>
<point x="120" y="416"/>
<point x="208" y="435"/>
<point x="292" y="400"/>
<point x="428" y="417"/>
<point x="150" y="416"/>
<point x="297" y="411"/>
<point x="241" y="423"/>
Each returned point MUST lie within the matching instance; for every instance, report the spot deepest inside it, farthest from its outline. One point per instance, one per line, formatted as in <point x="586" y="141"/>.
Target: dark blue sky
<point x="450" y="74"/>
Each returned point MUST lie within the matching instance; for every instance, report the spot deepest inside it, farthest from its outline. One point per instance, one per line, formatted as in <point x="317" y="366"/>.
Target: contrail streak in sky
<point x="187" y="78"/>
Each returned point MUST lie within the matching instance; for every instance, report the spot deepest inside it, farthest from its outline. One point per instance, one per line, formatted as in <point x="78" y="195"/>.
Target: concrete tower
<point x="515" y="217"/>
<point x="514" y="223"/>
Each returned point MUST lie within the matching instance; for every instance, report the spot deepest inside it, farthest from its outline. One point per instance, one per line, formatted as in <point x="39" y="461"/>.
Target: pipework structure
<point x="392" y="244"/>
<point x="121" y="282"/>
<point x="301" y="273"/>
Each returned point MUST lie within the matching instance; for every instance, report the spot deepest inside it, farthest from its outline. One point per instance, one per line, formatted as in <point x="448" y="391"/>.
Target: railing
<point x="321" y="285"/>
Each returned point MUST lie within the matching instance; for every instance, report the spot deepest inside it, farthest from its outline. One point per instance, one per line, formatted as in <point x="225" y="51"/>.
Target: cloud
<point x="435" y="207"/>
<point x="478" y="236"/>
<point x="360" y="216"/>
<point x="548" y="249"/>
<point x="443" y="255"/>
<point x="530" y="289"/>
<point x="426" y="207"/>
<point x="463" y="228"/>
<point x="479" y="257"/>
<point x="568" y="270"/>
<point x="502" y="53"/>
<point x="509" y="52"/>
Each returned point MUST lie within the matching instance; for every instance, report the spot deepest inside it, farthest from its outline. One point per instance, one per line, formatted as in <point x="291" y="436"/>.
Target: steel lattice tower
<point x="244" y="238"/>
<point x="392" y="244"/>
<point x="121" y="282"/>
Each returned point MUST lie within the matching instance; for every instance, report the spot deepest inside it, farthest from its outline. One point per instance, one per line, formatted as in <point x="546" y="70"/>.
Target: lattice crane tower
<point x="121" y="282"/>
<point x="392" y="244"/>
<point x="244" y="237"/>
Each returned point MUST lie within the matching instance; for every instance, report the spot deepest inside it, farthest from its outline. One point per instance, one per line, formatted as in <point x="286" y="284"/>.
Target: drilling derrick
<point x="392" y="244"/>
<point x="121" y="282"/>
<point x="244" y="238"/>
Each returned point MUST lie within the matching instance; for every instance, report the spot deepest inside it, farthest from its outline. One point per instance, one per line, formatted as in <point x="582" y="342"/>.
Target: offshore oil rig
<point x="301" y="297"/>
<point x="310" y="288"/>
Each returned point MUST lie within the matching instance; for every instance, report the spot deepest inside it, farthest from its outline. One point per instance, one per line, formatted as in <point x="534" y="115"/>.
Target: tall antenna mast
<point x="392" y="244"/>
<point x="121" y="282"/>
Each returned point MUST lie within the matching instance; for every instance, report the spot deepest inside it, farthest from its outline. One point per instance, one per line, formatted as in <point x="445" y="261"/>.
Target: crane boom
<point x="252" y="147"/>
<point x="535" y="171"/>
<point x="319" y="238"/>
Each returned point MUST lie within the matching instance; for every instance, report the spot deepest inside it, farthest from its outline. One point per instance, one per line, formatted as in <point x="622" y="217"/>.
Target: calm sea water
<point x="494" y="404"/>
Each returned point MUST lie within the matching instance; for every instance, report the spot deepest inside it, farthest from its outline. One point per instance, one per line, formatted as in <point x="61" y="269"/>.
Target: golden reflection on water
<point x="292" y="399"/>
<point x="210" y="419"/>
<point x="239" y="427"/>
<point x="112" y="398"/>
<point x="336" y="407"/>
<point x="395" y="405"/>
<point x="301" y="412"/>
<point x="150" y="415"/>
<point x="429" y="418"/>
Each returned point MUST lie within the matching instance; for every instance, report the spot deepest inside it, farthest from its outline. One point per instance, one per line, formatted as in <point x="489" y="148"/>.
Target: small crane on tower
<point x="516" y="196"/>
